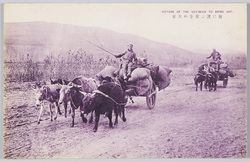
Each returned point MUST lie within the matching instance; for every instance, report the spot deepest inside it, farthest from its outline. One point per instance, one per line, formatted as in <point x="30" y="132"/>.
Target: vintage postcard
<point x="125" y="80"/>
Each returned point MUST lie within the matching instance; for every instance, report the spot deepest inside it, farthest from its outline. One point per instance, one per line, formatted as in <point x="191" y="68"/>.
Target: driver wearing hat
<point x="128" y="57"/>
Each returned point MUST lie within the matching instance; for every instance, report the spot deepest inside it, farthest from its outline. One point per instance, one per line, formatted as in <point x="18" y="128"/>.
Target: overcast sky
<point x="153" y="21"/>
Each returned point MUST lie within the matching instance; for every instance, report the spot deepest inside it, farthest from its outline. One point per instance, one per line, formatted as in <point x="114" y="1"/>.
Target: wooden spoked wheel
<point x="151" y="97"/>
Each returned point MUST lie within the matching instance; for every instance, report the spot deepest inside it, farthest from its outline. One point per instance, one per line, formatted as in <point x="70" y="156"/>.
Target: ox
<point x="211" y="79"/>
<point x="73" y="92"/>
<point x="49" y="93"/>
<point x="108" y="97"/>
<point x="199" y="78"/>
<point x="61" y="82"/>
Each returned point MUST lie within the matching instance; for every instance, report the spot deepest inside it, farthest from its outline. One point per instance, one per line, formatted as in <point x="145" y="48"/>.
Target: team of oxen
<point x="85" y="94"/>
<point x="209" y="75"/>
<point x="103" y="95"/>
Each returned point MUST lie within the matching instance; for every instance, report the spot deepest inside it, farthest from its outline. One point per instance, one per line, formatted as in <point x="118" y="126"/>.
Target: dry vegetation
<point x="80" y="62"/>
<point x="75" y="64"/>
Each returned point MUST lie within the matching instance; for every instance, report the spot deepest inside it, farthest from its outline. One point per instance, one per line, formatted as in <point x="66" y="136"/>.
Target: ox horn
<point x="75" y="85"/>
<point x="44" y="87"/>
<point x="92" y="95"/>
<point x="84" y="93"/>
<point x="70" y="84"/>
<point x="78" y="86"/>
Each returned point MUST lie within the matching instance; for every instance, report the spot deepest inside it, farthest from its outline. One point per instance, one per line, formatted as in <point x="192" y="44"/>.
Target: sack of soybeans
<point x="231" y="73"/>
<point x="222" y="71"/>
<point x="107" y="71"/>
<point x="139" y="73"/>
<point x="163" y="77"/>
<point x="142" y="86"/>
<point x="223" y="65"/>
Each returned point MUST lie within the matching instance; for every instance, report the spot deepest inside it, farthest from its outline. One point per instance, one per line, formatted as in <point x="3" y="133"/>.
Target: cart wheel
<point x="151" y="97"/>
<point x="225" y="83"/>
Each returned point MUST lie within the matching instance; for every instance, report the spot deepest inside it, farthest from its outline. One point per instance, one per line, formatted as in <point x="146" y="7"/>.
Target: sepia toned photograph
<point x="124" y="80"/>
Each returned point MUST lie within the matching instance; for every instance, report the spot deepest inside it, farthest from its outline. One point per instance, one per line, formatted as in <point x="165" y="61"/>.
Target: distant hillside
<point x="40" y="39"/>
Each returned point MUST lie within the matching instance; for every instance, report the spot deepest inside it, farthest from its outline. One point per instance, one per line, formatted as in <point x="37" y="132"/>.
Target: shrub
<point x="74" y="64"/>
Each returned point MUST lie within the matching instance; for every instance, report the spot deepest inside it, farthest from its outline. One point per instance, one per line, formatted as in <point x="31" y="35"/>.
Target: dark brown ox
<point x="49" y="93"/>
<point x="199" y="78"/>
<point x="211" y="79"/>
<point x="74" y="93"/>
<point x="108" y="97"/>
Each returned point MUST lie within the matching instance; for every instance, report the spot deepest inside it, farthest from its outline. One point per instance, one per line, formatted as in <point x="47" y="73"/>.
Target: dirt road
<point x="183" y="124"/>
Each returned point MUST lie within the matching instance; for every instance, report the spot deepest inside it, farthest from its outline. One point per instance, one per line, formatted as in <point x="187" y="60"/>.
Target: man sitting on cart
<point x="128" y="59"/>
<point x="216" y="56"/>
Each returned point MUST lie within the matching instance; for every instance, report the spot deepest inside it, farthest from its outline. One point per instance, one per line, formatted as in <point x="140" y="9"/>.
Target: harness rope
<point x="72" y="101"/>
<point x="207" y="70"/>
<point x="212" y="75"/>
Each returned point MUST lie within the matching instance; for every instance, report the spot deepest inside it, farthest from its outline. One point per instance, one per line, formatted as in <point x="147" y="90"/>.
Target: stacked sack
<point x="163" y="77"/>
<point x="223" y="68"/>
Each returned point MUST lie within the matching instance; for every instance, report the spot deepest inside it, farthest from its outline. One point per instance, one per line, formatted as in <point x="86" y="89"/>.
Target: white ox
<point x="51" y="94"/>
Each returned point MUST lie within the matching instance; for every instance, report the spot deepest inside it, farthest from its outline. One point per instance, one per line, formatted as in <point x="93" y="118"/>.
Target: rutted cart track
<point x="183" y="124"/>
